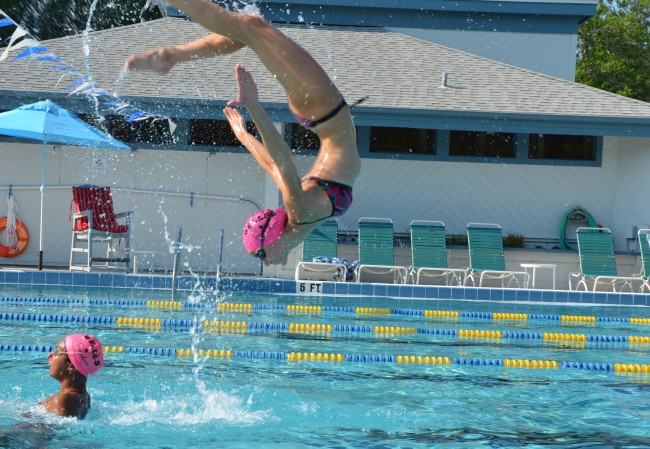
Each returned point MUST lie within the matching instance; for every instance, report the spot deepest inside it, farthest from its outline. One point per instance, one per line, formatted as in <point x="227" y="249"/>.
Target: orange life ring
<point x="23" y="239"/>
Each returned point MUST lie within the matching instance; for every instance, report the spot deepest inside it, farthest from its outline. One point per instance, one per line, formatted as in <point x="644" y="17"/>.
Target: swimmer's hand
<point x="237" y="123"/>
<point x="160" y="60"/>
<point x="246" y="88"/>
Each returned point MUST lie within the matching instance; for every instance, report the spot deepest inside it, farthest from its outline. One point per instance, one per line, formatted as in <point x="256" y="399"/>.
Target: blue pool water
<point x="257" y="397"/>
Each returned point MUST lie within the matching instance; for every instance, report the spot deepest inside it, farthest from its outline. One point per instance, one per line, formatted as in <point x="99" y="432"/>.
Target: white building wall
<point x="156" y="217"/>
<point x="521" y="198"/>
<point x="633" y="202"/>
<point x="552" y="54"/>
<point x="524" y="199"/>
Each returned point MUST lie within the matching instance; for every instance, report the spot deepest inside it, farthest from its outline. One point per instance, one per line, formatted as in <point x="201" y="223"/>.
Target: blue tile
<point x="11" y="277"/>
<point x="105" y="280"/>
<point x="25" y="277"/>
<point x="471" y="293"/>
<point x="2" y="276"/>
<point x="625" y="299"/>
<point x="640" y="300"/>
<point x="79" y="279"/>
<point x="328" y="288"/>
<point x="39" y="278"/>
<point x="419" y="291"/>
<point x="562" y="296"/>
<point x="510" y="294"/>
<point x="535" y="295"/>
<point x="548" y="295"/>
<point x="572" y="296"/>
<point x="392" y="290"/>
<point x="275" y="287"/>
<point x="263" y="285"/>
<point x="405" y="291"/>
<point x="483" y="294"/>
<point x="603" y="298"/>
<point x="342" y="288"/>
<point x="225" y="285"/>
<point x="65" y="278"/>
<point x="496" y="294"/>
<point x="442" y="292"/>
<point x="381" y="290"/>
<point x="92" y="280"/>
<point x="289" y="286"/>
<point x="355" y="288"/>
<point x="245" y="286"/>
<point x="458" y="293"/>
<point x="52" y="278"/>
<point x="119" y="280"/>
<point x="522" y="295"/>
<point x="159" y="282"/>
<point x="367" y="289"/>
<point x="133" y="281"/>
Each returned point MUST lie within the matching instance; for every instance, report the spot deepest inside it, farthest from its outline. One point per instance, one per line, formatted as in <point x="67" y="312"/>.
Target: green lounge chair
<point x="429" y="255"/>
<point x="486" y="259"/>
<point x="376" y="255"/>
<point x="321" y="242"/>
<point x="598" y="263"/>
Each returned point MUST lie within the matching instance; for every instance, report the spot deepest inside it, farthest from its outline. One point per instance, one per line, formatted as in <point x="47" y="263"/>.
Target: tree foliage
<point x="47" y="19"/>
<point x="614" y="48"/>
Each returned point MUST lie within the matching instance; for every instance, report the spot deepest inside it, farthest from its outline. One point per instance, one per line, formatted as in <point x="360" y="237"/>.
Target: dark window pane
<point x="402" y="140"/>
<point x="215" y="133"/>
<point x="144" y="131"/>
<point x="302" y="138"/>
<point x="481" y="144"/>
<point x="557" y="146"/>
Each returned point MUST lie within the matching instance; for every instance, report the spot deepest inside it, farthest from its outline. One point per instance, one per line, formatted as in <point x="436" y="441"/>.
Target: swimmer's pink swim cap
<point x="270" y="222"/>
<point x="85" y="353"/>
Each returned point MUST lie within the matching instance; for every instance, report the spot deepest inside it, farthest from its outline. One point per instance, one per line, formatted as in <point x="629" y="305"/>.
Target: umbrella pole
<point x="40" y="244"/>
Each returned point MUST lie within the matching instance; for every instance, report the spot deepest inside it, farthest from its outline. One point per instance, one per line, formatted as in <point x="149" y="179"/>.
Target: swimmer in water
<point x="326" y="189"/>
<point x="71" y="362"/>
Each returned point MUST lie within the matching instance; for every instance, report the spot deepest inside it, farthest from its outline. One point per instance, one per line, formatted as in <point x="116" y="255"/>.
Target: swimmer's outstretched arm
<point x="165" y="58"/>
<point x="273" y="154"/>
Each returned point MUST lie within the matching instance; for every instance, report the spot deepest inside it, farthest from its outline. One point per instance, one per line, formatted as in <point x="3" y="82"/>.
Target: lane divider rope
<point x="358" y="358"/>
<point x="243" y="327"/>
<point x="248" y="308"/>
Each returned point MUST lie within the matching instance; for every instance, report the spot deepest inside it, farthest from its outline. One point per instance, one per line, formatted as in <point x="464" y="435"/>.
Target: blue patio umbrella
<point x="46" y="122"/>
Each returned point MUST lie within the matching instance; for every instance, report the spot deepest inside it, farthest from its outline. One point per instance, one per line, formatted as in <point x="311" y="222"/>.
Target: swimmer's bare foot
<point x="159" y="60"/>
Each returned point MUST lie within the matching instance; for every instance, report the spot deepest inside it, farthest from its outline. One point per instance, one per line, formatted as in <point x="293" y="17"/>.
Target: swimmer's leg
<point x="310" y="90"/>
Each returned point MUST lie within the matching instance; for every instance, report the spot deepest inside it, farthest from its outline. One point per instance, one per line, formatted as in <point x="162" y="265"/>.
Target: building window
<point x="215" y="133"/>
<point x="144" y="131"/>
<point x="402" y="140"/>
<point x="481" y="144"/>
<point x="557" y="146"/>
<point x="302" y="138"/>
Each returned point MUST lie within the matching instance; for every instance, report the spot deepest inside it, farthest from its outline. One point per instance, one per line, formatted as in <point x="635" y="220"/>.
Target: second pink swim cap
<point x="270" y="222"/>
<point x="85" y="353"/>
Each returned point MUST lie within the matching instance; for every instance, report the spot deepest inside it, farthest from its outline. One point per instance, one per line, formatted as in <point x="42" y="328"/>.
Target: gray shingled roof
<point x="400" y="74"/>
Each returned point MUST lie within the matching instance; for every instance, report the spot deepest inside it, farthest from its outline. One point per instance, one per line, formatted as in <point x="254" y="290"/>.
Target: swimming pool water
<point x="256" y="398"/>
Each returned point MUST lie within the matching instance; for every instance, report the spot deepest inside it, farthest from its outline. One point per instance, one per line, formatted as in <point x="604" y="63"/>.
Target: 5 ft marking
<point x="309" y="288"/>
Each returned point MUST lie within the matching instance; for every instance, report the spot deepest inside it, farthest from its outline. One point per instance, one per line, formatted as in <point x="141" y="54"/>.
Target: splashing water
<point x="191" y="409"/>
